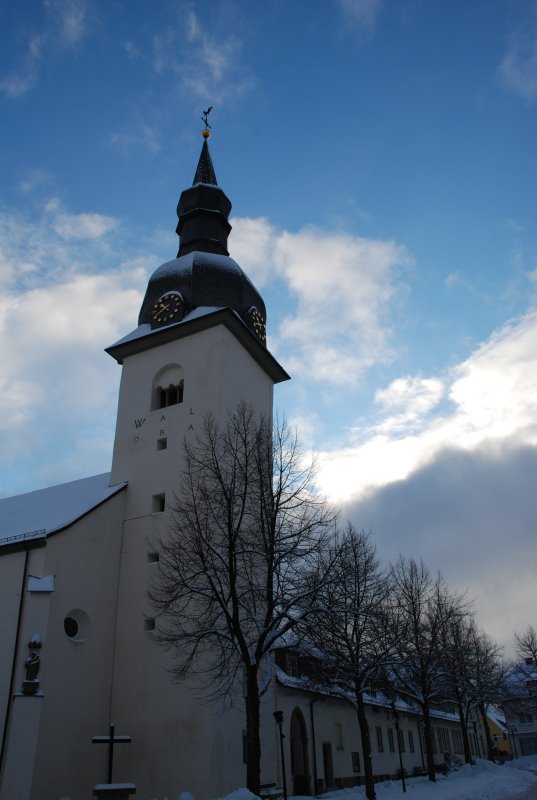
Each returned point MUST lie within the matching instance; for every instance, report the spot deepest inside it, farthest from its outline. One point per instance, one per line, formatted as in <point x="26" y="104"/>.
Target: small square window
<point x="158" y="503"/>
<point x="149" y="624"/>
<point x="162" y="444"/>
<point x="355" y="762"/>
<point x="153" y="558"/>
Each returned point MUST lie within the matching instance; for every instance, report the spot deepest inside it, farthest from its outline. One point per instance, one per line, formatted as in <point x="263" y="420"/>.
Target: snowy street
<point x="515" y="780"/>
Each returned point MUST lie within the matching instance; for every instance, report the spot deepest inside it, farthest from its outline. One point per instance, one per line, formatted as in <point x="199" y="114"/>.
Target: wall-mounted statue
<point x="32" y="664"/>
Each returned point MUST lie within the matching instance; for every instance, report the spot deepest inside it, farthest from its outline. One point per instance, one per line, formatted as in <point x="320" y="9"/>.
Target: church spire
<point x="203" y="210"/>
<point x="205" y="171"/>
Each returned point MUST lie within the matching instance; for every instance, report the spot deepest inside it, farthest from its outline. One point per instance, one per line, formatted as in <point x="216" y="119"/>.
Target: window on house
<point x="443" y="740"/>
<point x="153" y="558"/>
<point x="162" y="443"/>
<point x="380" y="740"/>
<point x="291" y="664"/>
<point x="401" y="737"/>
<point x="411" y="741"/>
<point x="456" y="741"/>
<point x="355" y="762"/>
<point x="158" y="503"/>
<point x="170" y="395"/>
<point x="149" y="624"/>
<point x="391" y="740"/>
<point x="168" y="387"/>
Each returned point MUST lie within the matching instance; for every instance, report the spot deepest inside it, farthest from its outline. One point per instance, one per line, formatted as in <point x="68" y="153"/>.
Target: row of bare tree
<point x="254" y="556"/>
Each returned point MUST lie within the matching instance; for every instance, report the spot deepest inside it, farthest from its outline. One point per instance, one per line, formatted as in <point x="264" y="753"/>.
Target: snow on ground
<point x="484" y="781"/>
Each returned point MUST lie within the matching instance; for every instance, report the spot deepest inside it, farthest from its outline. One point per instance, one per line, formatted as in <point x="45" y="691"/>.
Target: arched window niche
<point x="168" y="387"/>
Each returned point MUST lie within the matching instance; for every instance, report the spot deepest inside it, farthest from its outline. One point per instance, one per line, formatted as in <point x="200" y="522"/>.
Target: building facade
<point x="78" y="652"/>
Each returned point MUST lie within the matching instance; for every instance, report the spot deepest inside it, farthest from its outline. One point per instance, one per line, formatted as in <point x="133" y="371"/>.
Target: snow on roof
<point x="36" y="514"/>
<point x="497" y="716"/>
<point x="341" y="692"/>
<point x="145" y="329"/>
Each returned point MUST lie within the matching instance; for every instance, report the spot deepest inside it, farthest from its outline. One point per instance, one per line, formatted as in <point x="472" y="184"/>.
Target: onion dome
<point x="203" y="274"/>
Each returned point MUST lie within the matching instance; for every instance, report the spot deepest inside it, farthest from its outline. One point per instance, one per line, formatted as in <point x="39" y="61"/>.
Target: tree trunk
<point x="428" y="736"/>
<point x="366" y="744"/>
<point x="464" y="731"/>
<point x="490" y="746"/>
<point x="253" y="741"/>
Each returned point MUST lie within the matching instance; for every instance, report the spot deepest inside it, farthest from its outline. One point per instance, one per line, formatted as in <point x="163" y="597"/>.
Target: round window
<point x="70" y="626"/>
<point x="76" y="625"/>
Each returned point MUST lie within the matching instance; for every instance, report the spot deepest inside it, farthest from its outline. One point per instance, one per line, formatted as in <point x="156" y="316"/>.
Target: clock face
<point x="167" y="308"/>
<point x="258" y="324"/>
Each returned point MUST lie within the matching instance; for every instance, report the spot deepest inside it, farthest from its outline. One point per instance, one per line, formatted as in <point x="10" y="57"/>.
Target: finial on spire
<point x="206" y="132"/>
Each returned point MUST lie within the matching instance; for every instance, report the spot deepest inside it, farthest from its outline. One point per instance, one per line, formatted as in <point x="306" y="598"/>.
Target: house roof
<point x="37" y="514"/>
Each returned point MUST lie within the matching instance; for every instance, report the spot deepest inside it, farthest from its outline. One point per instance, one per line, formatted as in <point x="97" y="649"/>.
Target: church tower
<point x="199" y="348"/>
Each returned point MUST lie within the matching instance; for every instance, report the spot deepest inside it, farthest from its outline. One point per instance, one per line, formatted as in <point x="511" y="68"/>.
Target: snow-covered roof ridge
<point x="145" y="329"/>
<point x="339" y="692"/>
<point x="40" y="513"/>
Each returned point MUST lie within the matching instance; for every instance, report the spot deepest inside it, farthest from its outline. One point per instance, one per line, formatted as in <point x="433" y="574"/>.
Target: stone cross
<point x="111" y="740"/>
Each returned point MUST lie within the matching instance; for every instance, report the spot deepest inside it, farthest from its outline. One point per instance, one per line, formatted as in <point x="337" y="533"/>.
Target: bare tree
<point x="348" y="630"/>
<point x="526" y="644"/>
<point x="475" y="674"/>
<point x="520" y="685"/>
<point x="242" y="562"/>
<point x="425" y="608"/>
<point x="489" y="673"/>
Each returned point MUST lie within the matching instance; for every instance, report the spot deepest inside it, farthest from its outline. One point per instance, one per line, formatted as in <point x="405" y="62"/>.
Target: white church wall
<point x="75" y="675"/>
<point x="218" y="374"/>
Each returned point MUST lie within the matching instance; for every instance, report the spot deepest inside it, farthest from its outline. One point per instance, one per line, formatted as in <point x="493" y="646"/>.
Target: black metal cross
<point x="111" y="740"/>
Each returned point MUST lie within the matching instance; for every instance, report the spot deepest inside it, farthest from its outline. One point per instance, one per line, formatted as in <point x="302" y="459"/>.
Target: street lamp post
<point x="278" y="716"/>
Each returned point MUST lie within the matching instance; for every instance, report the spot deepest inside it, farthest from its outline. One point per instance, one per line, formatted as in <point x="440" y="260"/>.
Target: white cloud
<point x="212" y="67"/>
<point x="408" y="400"/>
<point x="83" y="226"/>
<point x="35" y="250"/>
<point x="343" y="287"/>
<point x="57" y="387"/>
<point x="66" y="24"/>
<point x="70" y="19"/>
<point x="253" y="244"/>
<point x="140" y="134"/>
<point x="16" y="84"/>
<point x="360" y="13"/>
<point x="493" y="397"/>
<point x="518" y="69"/>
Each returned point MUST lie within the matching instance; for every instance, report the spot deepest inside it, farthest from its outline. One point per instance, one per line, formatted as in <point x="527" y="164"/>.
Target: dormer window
<point x="168" y="387"/>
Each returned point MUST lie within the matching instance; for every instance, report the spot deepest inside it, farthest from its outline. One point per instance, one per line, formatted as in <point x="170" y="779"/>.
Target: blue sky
<point x="381" y="161"/>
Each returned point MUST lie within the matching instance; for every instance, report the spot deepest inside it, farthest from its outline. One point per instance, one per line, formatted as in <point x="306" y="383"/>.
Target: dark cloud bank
<point x="473" y="516"/>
